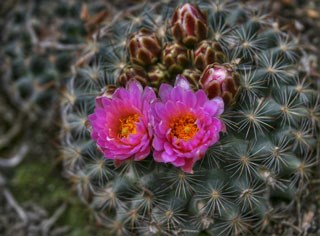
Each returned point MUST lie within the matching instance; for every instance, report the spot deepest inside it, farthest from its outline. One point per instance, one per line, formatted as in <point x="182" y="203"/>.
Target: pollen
<point x="184" y="127"/>
<point x="128" y="125"/>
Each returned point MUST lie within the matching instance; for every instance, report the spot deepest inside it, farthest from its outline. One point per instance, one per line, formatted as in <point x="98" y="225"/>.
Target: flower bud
<point x="132" y="72"/>
<point x="193" y="77"/>
<point x="189" y="25"/>
<point x="206" y="53"/>
<point x="144" y="48"/>
<point x="157" y="74"/>
<point x="220" y="80"/>
<point x="175" y="57"/>
<point x="109" y="91"/>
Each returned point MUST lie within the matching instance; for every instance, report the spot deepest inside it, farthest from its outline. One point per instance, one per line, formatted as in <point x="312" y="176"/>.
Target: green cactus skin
<point x="259" y="164"/>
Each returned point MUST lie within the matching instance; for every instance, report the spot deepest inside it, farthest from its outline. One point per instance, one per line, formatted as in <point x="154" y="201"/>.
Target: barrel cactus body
<point x="267" y="127"/>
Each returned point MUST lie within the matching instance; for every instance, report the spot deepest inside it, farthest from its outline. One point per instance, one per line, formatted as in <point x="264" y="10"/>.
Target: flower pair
<point x="179" y="126"/>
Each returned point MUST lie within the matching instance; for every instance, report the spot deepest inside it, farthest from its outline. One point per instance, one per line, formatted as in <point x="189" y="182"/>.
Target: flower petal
<point x="165" y="91"/>
<point x="182" y="82"/>
<point x="107" y="121"/>
<point x="181" y="105"/>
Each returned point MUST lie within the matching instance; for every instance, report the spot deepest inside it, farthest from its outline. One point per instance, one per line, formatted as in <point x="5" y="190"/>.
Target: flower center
<point x="184" y="127"/>
<point x="128" y="126"/>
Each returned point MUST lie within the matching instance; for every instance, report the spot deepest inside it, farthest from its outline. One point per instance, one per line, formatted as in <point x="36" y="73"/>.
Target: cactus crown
<point x="271" y="119"/>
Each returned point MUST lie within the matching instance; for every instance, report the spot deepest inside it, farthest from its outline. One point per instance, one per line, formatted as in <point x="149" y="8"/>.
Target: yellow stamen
<point x="128" y="126"/>
<point x="184" y="127"/>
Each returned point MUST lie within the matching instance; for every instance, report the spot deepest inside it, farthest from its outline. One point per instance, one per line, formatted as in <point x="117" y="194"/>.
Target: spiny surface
<point x="261" y="162"/>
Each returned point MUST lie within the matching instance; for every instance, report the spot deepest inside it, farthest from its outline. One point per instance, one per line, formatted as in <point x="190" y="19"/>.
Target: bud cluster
<point x="200" y="60"/>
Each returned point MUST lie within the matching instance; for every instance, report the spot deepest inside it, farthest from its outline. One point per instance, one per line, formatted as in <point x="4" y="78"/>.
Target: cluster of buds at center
<point x="154" y="60"/>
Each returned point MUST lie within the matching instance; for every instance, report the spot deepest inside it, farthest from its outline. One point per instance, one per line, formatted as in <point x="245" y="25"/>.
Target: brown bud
<point x="220" y="80"/>
<point x="158" y="74"/>
<point x="109" y="90"/>
<point x="193" y="77"/>
<point x="144" y="48"/>
<point x="132" y="72"/>
<point x="206" y="53"/>
<point x="189" y="25"/>
<point x="175" y="57"/>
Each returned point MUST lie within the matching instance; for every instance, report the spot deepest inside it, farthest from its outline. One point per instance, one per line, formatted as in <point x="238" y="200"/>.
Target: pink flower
<point x="185" y="124"/>
<point x="121" y="124"/>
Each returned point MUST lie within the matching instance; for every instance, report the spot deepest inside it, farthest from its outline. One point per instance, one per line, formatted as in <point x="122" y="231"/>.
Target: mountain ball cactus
<point x="216" y="149"/>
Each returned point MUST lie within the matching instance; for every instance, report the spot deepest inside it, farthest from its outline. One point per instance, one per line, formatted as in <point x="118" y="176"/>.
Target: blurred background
<point x="41" y="43"/>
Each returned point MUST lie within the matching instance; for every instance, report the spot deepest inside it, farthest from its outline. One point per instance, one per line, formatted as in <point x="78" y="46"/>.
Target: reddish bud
<point x="158" y="74"/>
<point x="193" y="77"/>
<point x="132" y="72"/>
<point x="189" y="25"/>
<point x="206" y="53"/>
<point x="220" y="80"/>
<point x="175" y="57"/>
<point x="144" y="48"/>
<point x="109" y="90"/>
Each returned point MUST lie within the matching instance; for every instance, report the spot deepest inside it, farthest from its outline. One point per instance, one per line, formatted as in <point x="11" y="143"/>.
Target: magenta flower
<point x="185" y="124"/>
<point x="121" y="124"/>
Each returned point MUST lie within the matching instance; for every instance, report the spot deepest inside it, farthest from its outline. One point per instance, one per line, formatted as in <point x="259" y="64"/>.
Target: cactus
<point x="270" y="138"/>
